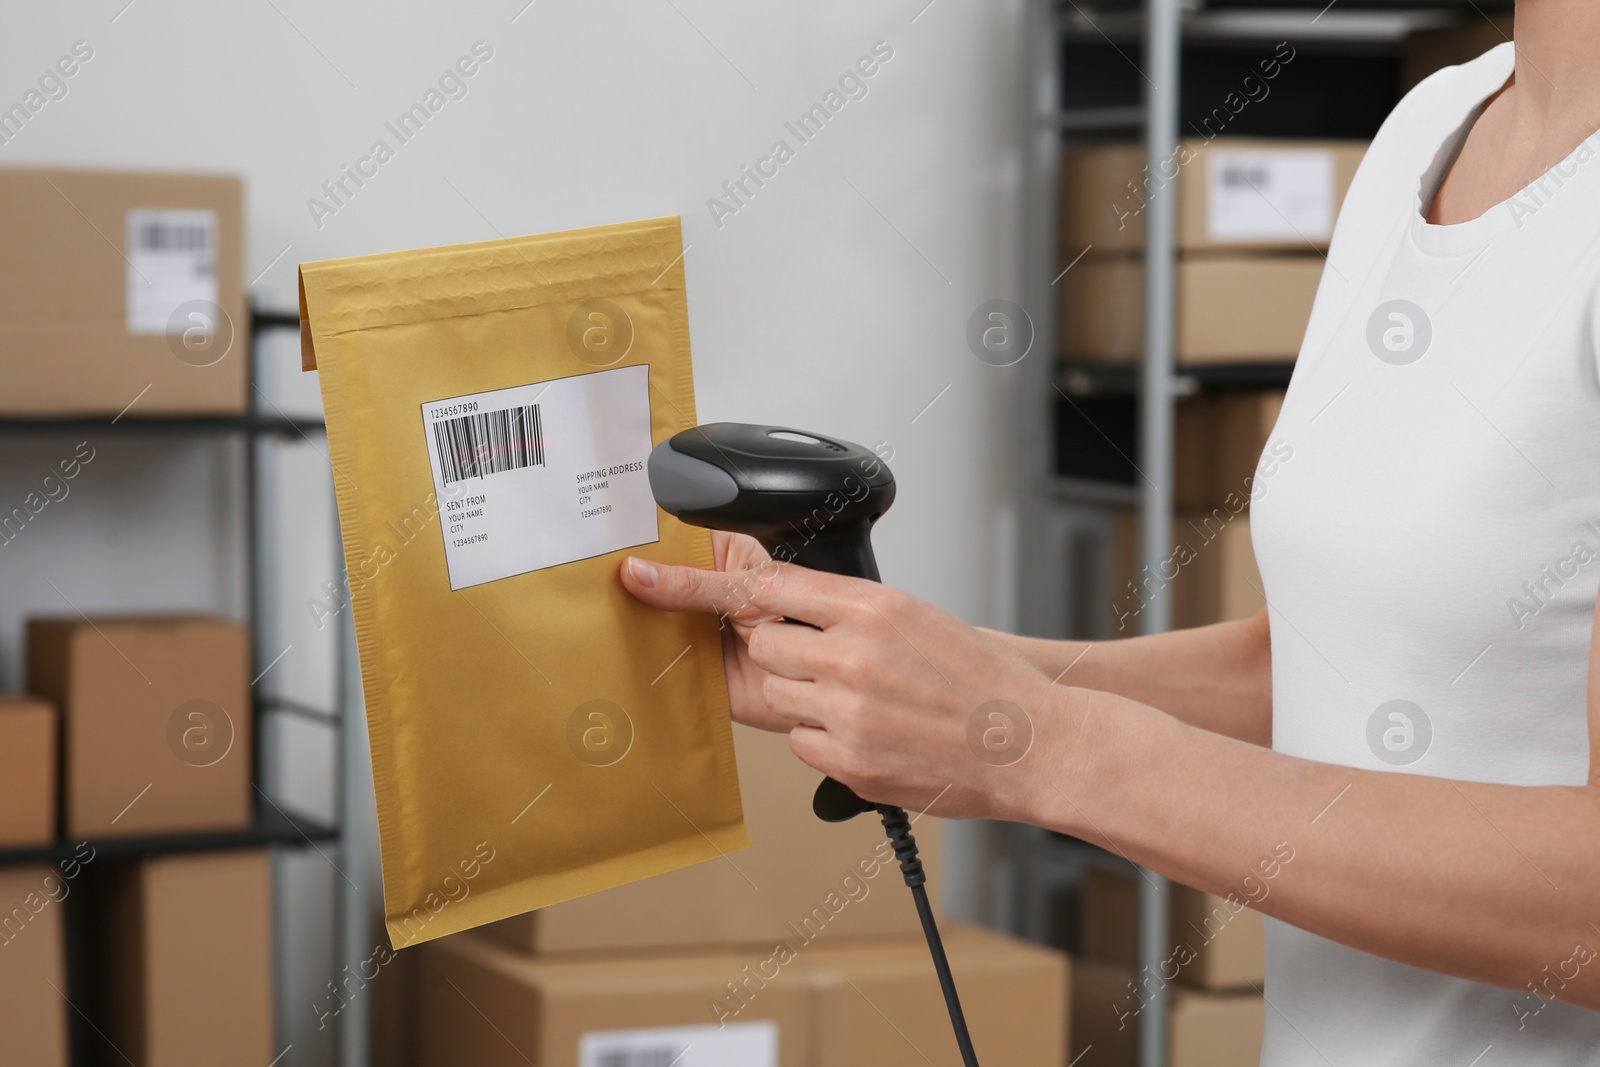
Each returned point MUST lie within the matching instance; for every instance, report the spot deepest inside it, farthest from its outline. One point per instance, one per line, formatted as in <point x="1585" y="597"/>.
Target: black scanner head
<point x="807" y="498"/>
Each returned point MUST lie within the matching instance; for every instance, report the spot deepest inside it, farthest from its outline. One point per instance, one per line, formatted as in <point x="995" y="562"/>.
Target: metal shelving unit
<point x="269" y="826"/>
<point x="272" y="825"/>
<point x="1161" y="31"/>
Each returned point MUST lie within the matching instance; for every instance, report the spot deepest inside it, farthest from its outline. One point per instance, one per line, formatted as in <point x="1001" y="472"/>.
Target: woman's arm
<point x="1494" y="883"/>
<point x="1498" y="884"/>
<point x="1217" y="678"/>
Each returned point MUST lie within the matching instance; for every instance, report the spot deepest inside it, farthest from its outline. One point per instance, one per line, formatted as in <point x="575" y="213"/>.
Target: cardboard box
<point x="33" y="1011"/>
<point x="860" y="1006"/>
<point x="27" y="771"/>
<point x="801" y="873"/>
<point x="1214" y="944"/>
<point x="873" y="1006"/>
<point x="396" y="1006"/>
<point x="100" y="276"/>
<point x="1230" y="309"/>
<point x="1234" y="193"/>
<point x="1228" y="584"/>
<point x="1211" y="571"/>
<point x="1215" y="1029"/>
<point x="156" y="721"/>
<point x="1221" y="448"/>
<point x="489" y="1006"/>
<point x="190" y="961"/>
<point x="1426" y="51"/>
<point x="1203" y="1029"/>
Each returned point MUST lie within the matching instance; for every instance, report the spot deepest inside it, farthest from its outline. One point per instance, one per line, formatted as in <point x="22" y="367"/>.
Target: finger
<point x="814" y="748"/>
<point x="689" y="588"/>
<point x="760" y="719"/>
<point x="792" y="699"/>
<point x="743" y="548"/>
<point x="803" y="594"/>
<point x="823" y="752"/>
<point x="745" y="699"/>
<point x="785" y="648"/>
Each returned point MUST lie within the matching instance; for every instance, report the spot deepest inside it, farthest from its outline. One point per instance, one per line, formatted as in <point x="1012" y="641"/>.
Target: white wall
<point x="836" y="299"/>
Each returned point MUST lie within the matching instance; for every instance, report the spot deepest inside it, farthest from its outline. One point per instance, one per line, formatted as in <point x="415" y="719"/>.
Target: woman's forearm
<point x="1216" y="678"/>
<point x="1492" y="883"/>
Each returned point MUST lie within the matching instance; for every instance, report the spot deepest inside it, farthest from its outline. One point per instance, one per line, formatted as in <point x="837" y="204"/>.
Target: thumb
<point x="686" y="588"/>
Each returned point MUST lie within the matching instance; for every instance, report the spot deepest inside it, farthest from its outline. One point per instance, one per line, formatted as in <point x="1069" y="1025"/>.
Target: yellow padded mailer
<point x="541" y="735"/>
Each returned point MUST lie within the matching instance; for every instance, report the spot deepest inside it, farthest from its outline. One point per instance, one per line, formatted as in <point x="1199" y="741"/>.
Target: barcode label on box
<point x="752" y="1044"/>
<point x="1285" y="195"/>
<point x="543" y="474"/>
<point x="172" y="262"/>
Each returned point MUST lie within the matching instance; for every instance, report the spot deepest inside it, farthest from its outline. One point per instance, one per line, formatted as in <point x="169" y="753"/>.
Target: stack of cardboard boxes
<point x="1214" y="962"/>
<point x="1226" y="458"/>
<point x="137" y="728"/>
<point x="804" y="949"/>
<point x="1254" y="219"/>
<point x="33" y="1022"/>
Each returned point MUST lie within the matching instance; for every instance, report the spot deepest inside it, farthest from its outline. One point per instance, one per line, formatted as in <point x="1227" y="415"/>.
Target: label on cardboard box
<point x="752" y="1044"/>
<point x="1270" y="194"/>
<point x="172" y="262"/>
<point x="538" y="475"/>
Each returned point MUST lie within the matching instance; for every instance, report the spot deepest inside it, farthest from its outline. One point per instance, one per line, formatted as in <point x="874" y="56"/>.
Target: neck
<point x="1556" y="43"/>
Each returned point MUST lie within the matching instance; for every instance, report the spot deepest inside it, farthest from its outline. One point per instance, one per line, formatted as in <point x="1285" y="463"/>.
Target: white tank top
<point x="1430" y="550"/>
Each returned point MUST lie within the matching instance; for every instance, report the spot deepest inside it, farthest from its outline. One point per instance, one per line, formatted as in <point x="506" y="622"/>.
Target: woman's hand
<point x="725" y="592"/>
<point x="902" y="702"/>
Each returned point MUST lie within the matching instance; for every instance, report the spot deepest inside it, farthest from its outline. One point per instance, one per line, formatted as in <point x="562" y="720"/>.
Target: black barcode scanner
<point x="809" y="500"/>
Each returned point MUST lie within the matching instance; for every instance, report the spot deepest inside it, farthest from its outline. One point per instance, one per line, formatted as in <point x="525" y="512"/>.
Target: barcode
<point x="489" y="442"/>
<point x="660" y="1056"/>
<point x="163" y="236"/>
